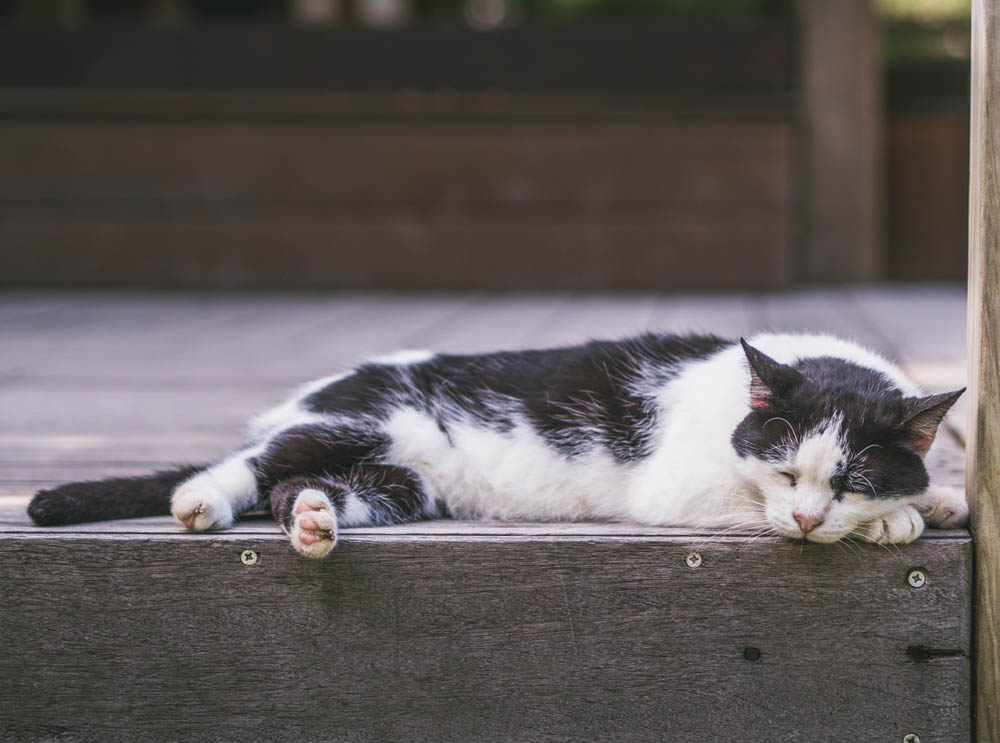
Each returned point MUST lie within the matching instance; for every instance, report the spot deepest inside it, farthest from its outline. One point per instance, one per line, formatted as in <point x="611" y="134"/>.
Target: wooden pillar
<point x="984" y="360"/>
<point x="842" y="133"/>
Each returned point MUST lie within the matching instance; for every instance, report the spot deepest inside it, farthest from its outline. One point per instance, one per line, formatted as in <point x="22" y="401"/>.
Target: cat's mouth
<point x="817" y="536"/>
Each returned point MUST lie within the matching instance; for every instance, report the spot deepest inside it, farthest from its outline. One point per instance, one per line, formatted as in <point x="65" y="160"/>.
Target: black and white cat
<point x="806" y="436"/>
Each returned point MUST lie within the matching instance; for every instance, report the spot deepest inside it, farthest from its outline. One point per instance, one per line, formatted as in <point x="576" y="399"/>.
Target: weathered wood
<point x="453" y="165"/>
<point x="842" y="137"/>
<point x="406" y="105"/>
<point x="984" y="359"/>
<point x="628" y="56"/>
<point x="558" y="638"/>
<point x="928" y="204"/>
<point x="286" y="246"/>
<point x="539" y="205"/>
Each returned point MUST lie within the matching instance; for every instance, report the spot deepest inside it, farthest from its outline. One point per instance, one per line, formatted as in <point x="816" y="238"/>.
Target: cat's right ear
<point x="769" y="380"/>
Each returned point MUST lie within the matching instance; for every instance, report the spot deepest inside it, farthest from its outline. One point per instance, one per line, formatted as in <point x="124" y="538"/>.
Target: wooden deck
<point x="446" y="630"/>
<point x="103" y="384"/>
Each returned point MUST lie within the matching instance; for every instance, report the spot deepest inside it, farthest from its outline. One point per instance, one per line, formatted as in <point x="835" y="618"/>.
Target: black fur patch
<point x="881" y="461"/>
<point x="115" y="498"/>
<point x="315" y="450"/>
<point x="577" y="398"/>
<point x="393" y="494"/>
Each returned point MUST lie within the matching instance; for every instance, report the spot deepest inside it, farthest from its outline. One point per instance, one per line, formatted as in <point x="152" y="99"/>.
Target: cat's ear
<point x="769" y="380"/>
<point x="922" y="417"/>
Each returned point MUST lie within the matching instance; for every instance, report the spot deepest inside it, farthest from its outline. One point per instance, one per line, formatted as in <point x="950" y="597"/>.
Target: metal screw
<point x="248" y="557"/>
<point x="917" y="579"/>
<point x="693" y="560"/>
<point x="911" y="738"/>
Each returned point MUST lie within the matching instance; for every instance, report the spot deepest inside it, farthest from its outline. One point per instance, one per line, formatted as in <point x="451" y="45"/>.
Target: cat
<point x="806" y="436"/>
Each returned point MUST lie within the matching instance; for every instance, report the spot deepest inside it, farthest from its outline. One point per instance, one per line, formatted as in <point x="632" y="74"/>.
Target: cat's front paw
<point x="901" y="526"/>
<point x="944" y="507"/>
<point x="314" y="524"/>
<point x="200" y="507"/>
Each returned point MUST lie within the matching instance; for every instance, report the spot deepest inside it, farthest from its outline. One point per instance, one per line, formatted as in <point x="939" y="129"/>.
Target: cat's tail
<point x="114" y="498"/>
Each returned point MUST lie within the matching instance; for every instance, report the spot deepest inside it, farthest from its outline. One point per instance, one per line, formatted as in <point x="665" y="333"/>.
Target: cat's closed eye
<point x="789" y="477"/>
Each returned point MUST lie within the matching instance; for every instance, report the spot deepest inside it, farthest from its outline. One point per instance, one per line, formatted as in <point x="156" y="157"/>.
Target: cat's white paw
<point x="901" y="526"/>
<point x="944" y="507"/>
<point x="314" y="525"/>
<point x="200" y="507"/>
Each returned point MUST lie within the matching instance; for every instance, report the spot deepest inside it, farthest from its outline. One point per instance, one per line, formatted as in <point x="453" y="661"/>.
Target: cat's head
<point x="830" y="444"/>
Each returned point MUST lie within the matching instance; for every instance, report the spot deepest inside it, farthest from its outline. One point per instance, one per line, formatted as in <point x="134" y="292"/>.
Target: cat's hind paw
<point x="200" y="507"/>
<point x="314" y="524"/>
<point x="901" y="526"/>
<point x="944" y="507"/>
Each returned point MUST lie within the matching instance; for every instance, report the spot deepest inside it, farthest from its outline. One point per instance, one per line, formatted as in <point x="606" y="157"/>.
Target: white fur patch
<point x="355" y="511"/>
<point x="290" y="413"/>
<point x="402" y="358"/>
<point x="480" y="473"/>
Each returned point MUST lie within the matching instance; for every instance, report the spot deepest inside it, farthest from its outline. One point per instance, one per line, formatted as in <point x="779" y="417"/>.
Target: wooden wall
<point x="553" y="158"/>
<point x="648" y="157"/>
<point x="927" y="170"/>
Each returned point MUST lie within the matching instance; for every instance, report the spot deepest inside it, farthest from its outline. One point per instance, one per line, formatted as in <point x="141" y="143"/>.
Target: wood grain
<point x="286" y="246"/>
<point x="842" y="140"/>
<point x="984" y="358"/>
<point x="453" y="166"/>
<point x="637" y="56"/>
<point x="492" y="638"/>
<point x="928" y="203"/>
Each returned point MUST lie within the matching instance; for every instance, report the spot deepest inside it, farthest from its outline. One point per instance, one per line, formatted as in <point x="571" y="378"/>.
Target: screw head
<point x="911" y="738"/>
<point x="248" y="557"/>
<point x="693" y="560"/>
<point x="916" y="578"/>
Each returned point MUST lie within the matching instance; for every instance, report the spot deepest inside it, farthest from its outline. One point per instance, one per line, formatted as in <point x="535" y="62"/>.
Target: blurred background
<point x="463" y="175"/>
<point x="483" y="144"/>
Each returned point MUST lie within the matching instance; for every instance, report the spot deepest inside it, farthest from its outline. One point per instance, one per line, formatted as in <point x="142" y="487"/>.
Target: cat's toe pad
<point x="314" y="525"/>
<point x="201" y="508"/>
<point x="896" y="527"/>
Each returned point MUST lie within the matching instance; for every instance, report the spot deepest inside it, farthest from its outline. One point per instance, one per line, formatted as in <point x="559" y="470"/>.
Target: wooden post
<point x="842" y="132"/>
<point x="984" y="359"/>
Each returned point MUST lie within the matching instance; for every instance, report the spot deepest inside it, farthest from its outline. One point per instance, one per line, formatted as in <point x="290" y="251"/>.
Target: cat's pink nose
<point x="807" y="523"/>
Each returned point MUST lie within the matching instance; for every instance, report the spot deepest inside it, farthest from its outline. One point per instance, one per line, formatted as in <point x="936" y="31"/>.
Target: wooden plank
<point x="410" y="105"/>
<point x="984" y="359"/>
<point x="214" y="341"/>
<point x="13" y="518"/>
<point x="928" y="205"/>
<point x="842" y="135"/>
<point x="832" y="311"/>
<point x="496" y="638"/>
<point x="448" y="166"/>
<point x="585" y="318"/>
<point x="292" y="248"/>
<point x="726" y="315"/>
<point x="624" y="56"/>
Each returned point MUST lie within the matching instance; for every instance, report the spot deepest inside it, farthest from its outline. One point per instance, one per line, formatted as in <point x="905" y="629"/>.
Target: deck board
<point x="109" y="383"/>
<point x="443" y="630"/>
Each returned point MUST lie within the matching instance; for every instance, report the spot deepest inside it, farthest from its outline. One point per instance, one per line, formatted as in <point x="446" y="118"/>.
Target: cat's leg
<point x="944" y="507"/>
<point x="899" y="526"/>
<point x="304" y="509"/>
<point x="211" y="499"/>
<point x="309" y="509"/>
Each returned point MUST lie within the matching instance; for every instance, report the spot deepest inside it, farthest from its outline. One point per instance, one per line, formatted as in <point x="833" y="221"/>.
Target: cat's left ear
<point x="769" y="379"/>
<point x="923" y="416"/>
